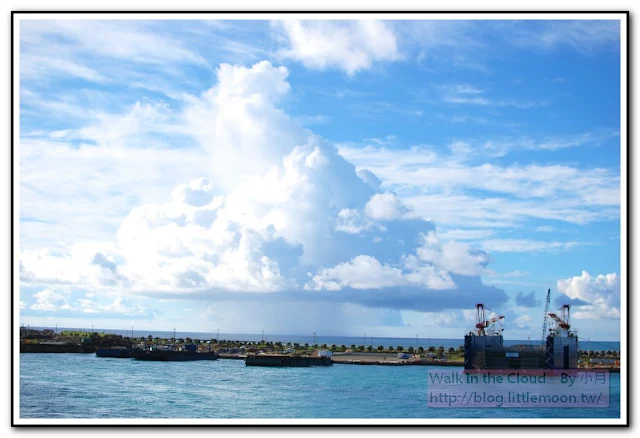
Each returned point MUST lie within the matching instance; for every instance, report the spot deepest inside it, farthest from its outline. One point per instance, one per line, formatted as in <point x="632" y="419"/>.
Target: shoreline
<point x="342" y="359"/>
<point x="359" y="360"/>
<point x="34" y="341"/>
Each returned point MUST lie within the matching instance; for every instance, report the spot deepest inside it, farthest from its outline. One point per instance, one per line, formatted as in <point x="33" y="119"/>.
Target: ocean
<point x="585" y="344"/>
<point x="83" y="386"/>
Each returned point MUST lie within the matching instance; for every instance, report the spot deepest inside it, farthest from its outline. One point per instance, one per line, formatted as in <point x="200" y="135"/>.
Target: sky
<point x="336" y="177"/>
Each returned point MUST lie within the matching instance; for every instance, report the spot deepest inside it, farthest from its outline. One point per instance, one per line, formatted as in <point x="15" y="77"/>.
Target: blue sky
<point x="327" y="176"/>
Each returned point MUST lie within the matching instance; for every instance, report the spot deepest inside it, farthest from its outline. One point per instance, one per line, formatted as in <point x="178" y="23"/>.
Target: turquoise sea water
<point x="85" y="386"/>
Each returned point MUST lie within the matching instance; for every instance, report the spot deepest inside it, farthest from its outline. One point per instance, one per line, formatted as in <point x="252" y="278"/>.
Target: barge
<point x="185" y="354"/>
<point x="117" y="352"/>
<point x="56" y="347"/>
<point x="286" y="360"/>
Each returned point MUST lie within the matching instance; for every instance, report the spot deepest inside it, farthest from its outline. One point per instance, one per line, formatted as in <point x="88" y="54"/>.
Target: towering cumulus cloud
<point x="281" y="213"/>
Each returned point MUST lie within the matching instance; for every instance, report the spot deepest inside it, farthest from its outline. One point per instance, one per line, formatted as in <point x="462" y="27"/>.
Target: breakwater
<point x="56" y="348"/>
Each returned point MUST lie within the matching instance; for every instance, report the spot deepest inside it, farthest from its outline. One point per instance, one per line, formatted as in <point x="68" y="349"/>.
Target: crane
<point x="481" y="322"/>
<point x="546" y="319"/>
<point x="563" y="321"/>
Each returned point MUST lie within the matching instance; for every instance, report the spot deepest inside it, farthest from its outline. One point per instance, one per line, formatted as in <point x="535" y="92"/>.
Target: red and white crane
<point x="563" y="322"/>
<point x="483" y="324"/>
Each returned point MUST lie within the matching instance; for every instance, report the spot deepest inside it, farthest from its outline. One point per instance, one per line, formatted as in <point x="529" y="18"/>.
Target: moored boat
<point x="285" y="360"/>
<point x="187" y="353"/>
<point x="117" y="352"/>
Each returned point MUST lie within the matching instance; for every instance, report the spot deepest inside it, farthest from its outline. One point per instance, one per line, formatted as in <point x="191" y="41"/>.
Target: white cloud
<point x="526" y="181"/>
<point x="459" y="209"/>
<point x="585" y="36"/>
<point x="459" y="319"/>
<point x="470" y="44"/>
<point x="471" y="95"/>
<point x="237" y="123"/>
<point x="276" y="189"/>
<point x="369" y="178"/>
<point x="95" y="187"/>
<point x="387" y="140"/>
<point x="587" y="288"/>
<point x="367" y="273"/>
<point x="128" y="129"/>
<point x="523" y="322"/>
<point x="460" y="148"/>
<point x="350" y="46"/>
<point x="83" y="265"/>
<point x="456" y="257"/>
<point x="465" y="234"/>
<point x="468" y="89"/>
<point x="525" y="245"/>
<point x="362" y="272"/>
<point x="129" y="40"/>
<point x="503" y="146"/>
<point x="275" y="203"/>
<point x="464" y="118"/>
<point x="50" y="301"/>
<point x="385" y="206"/>
<point x="429" y="267"/>
<point x="351" y="221"/>
<point x="428" y="275"/>
<point x="444" y="42"/>
<point x="598" y="310"/>
<point x="39" y="66"/>
<point x="451" y="191"/>
<point x="118" y="306"/>
<point x="597" y="297"/>
<point x="374" y="158"/>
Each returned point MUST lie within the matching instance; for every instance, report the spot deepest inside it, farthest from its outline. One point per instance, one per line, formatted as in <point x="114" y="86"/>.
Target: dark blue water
<point x="85" y="386"/>
<point x="585" y="344"/>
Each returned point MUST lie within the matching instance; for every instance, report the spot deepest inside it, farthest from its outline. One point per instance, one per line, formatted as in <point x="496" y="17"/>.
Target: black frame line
<point x="14" y="14"/>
